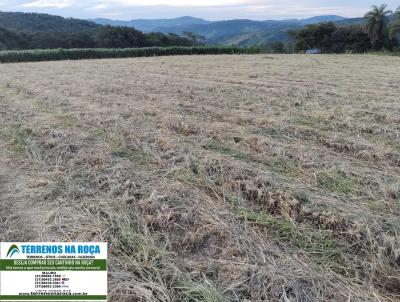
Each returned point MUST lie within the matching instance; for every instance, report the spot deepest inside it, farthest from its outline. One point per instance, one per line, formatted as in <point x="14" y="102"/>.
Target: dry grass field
<point x="212" y="178"/>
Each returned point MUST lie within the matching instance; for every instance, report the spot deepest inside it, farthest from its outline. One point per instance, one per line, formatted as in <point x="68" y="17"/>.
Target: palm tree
<point x="377" y="24"/>
<point x="395" y="28"/>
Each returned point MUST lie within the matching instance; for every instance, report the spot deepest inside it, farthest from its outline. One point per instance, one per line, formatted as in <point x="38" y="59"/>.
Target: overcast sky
<point x="208" y="9"/>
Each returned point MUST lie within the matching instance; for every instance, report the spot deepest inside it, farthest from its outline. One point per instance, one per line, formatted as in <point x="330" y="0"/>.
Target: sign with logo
<point x="50" y="271"/>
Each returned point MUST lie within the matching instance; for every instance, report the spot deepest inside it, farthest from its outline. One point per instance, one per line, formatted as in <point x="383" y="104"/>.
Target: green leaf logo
<point x="13" y="250"/>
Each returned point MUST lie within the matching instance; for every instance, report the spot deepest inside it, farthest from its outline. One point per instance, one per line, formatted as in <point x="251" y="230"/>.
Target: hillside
<point x="228" y="32"/>
<point x="11" y="40"/>
<point x="319" y="19"/>
<point x="151" y="25"/>
<point x="34" y="22"/>
<point x="41" y="31"/>
<point x="239" y="32"/>
<point x="224" y="32"/>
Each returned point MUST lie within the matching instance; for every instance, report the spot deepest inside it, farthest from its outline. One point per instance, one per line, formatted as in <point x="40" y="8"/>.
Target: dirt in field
<point x="212" y="178"/>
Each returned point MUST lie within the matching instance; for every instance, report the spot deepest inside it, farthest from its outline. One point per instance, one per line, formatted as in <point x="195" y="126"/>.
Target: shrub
<point x="101" y="53"/>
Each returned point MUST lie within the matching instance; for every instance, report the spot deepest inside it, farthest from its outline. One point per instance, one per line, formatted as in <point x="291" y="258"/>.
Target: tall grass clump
<point x="102" y="53"/>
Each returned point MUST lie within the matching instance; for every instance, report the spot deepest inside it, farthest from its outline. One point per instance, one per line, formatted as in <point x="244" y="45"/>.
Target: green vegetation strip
<point x="53" y="298"/>
<point x="102" y="53"/>
<point x="53" y="264"/>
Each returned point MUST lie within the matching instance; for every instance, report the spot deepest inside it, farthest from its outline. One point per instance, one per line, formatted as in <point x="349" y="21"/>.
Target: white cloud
<point x="178" y="2"/>
<point x="99" y="7"/>
<point x="48" y="4"/>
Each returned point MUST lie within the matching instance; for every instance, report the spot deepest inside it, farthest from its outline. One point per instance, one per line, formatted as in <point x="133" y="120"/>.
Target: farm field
<point x="212" y="178"/>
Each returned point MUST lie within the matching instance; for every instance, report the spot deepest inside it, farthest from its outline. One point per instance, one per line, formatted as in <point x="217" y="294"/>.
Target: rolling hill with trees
<point x="244" y="32"/>
<point x="20" y="31"/>
<point x="153" y="25"/>
<point x="34" y="22"/>
<point x="238" y="32"/>
<point x="378" y="29"/>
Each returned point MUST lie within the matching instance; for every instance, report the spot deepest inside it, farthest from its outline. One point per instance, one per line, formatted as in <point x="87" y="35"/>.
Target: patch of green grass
<point x="150" y="264"/>
<point x="311" y="121"/>
<point x="337" y="182"/>
<point x="386" y="141"/>
<point x="310" y="240"/>
<point x="41" y="106"/>
<point x="271" y="132"/>
<point x="225" y="150"/>
<point x="150" y="113"/>
<point x="219" y="148"/>
<point x="193" y="292"/>
<point x="137" y="157"/>
<point x="299" y="237"/>
<point x="207" y="185"/>
<point x="135" y="244"/>
<point x="72" y="186"/>
<point x="319" y="244"/>
<point x="94" y="134"/>
<point x="66" y="120"/>
<point x="189" y="178"/>
<point x="277" y="164"/>
<point x="301" y="196"/>
<point x="18" y="138"/>
<point x="283" y="166"/>
<point x="283" y="228"/>
<point x="154" y="263"/>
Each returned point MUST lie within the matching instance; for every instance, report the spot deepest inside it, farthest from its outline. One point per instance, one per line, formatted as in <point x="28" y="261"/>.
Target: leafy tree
<point x="331" y="38"/>
<point x="174" y="40"/>
<point x="292" y="34"/>
<point x="157" y="39"/>
<point x="349" y="39"/>
<point x="47" y="40"/>
<point x="377" y="25"/>
<point x="395" y="27"/>
<point x="160" y="39"/>
<point x="81" y="39"/>
<point x="12" y="40"/>
<point x="119" y="37"/>
<point x="196" y="40"/>
<point x="315" y="36"/>
<point x="278" y="47"/>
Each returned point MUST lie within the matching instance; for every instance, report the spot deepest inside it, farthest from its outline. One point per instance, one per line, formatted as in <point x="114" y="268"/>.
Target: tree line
<point x="99" y="37"/>
<point x="381" y="30"/>
<point x="13" y="56"/>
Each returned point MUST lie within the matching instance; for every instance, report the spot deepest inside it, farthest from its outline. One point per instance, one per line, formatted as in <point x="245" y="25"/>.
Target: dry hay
<point x="229" y="178"/>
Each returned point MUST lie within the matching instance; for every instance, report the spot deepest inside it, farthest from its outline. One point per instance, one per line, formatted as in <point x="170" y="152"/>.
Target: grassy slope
<point x="277" y="179"/>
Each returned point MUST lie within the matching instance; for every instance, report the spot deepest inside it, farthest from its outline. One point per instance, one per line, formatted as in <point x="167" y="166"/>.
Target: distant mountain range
<point x="230" y="32"/>
<point x="163" y="25"/>
<point x="239" y="32"/>
<point x="151" y="25"/>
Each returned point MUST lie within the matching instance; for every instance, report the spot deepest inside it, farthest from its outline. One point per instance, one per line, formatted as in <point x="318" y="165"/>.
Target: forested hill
<point x="33" y="22"/>
<point x="152" y="25"/>
<point x="43" y="31"/>
<point x="227" y="32"/>
<point x="20" y="31"/>
<point x="12" y="40"/>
